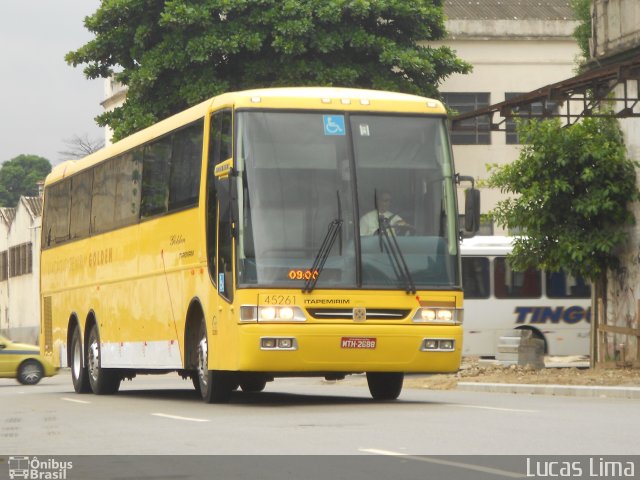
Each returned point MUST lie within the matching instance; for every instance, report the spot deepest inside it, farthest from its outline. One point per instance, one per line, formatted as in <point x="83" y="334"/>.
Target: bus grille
<point x="347" y="313"/>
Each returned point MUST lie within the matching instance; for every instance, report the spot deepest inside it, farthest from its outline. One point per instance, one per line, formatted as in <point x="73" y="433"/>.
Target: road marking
<point x="176" y="417"/>
<point x="67" y="399"/>
<point x="439" y="461"/>
<point x="497" y="409"/>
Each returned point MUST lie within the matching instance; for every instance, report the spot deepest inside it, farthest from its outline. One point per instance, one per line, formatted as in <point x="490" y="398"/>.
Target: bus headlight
<point x="446" y="316"/>
<point x="253" y="313"/>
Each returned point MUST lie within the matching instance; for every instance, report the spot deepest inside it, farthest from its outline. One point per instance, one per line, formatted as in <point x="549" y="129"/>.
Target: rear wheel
<point x="30" y="372"/>
<point x="102" y="380"/>
<point x="385" y="385"/>
<point x="79" y="372"/>
<point x="215" y="385"/>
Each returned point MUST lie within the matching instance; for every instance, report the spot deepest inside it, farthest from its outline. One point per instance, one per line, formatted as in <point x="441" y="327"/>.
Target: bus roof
<point x="299" y="98"/>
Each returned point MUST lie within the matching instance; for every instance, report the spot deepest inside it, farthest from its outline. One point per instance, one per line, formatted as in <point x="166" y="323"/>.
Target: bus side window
<point x="512" y="284"/>
<point x="56" y="217"/>
<point x="186" y="162"/>
<point x="475" y="277"/>
<point x="562" y="285"/>
<point x="155" y="177"/>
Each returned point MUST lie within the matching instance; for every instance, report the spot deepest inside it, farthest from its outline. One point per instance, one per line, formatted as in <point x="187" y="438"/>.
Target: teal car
<point x="23" y="362"/>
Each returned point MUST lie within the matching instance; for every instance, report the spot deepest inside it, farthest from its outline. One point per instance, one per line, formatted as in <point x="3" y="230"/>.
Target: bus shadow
<point x="266" y="399"/>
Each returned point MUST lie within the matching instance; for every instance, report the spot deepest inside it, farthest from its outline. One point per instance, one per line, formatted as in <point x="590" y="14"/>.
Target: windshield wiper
<point x="389" y="243"/>
<point x="323" y="254"/>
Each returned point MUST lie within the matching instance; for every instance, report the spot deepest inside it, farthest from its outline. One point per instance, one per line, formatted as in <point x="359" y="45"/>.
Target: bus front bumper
<point x="349" y="348"/>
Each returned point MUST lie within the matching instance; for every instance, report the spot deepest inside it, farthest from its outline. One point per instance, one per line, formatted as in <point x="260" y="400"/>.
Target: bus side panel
<point x="138" y="283"/>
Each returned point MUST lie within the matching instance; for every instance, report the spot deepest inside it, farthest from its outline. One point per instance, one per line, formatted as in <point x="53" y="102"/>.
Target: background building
<point x="19" y="270"/>
<point x="514" y="46"/>
<point x="615" y="45"/>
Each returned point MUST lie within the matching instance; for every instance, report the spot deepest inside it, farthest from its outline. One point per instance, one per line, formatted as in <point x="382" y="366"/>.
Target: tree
<point x="20" y="176"/>
<point x="81" y="146"/>
<point x="572" y="187"/>
<point x="582" y="33"/>
<point x="175" y="53"/>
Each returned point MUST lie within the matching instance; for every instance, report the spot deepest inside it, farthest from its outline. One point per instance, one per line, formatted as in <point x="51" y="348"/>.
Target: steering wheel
<point x="404" y="229"/>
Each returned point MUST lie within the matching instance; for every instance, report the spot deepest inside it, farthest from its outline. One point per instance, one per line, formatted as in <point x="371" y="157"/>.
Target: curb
<point x="563" y="390"/>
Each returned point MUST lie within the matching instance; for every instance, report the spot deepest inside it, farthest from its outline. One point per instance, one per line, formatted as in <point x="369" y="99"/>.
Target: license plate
<point x="358" y="342"/>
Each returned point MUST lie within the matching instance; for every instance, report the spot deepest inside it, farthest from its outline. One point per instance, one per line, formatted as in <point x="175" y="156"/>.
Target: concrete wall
<point x="623" y="296"/>
<point x="20" y="295"/>
<point x="616" y="27"/>
<point x="4" y="284"/>
<point x="24" y="290"/>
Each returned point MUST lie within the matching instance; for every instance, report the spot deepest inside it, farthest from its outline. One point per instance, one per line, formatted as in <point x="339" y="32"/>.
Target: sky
<point x="43" y="100"/>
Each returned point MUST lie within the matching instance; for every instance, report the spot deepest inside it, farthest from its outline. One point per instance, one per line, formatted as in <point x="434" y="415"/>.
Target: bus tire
<point x="103" y="381"/>
<point x="385" y="385"/>
<point x="78" y="364"/>
<point x="215" y="385"/>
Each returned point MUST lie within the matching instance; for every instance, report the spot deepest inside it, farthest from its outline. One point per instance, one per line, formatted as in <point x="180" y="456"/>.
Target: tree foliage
<point x="174" y="53"/>
<point x="582" y="33"/>
<point x="572" y="188"/>
<point x="20" y="176"/>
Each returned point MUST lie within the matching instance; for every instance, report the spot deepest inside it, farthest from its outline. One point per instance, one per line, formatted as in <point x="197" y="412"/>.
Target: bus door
<point x="220" y="223"/>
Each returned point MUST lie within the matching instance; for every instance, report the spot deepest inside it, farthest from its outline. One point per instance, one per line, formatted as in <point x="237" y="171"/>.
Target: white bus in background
<point x="555" y="306"/>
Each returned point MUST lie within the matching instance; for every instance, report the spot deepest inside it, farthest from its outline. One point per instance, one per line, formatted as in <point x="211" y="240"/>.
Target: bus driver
<point x="369" y="223"/>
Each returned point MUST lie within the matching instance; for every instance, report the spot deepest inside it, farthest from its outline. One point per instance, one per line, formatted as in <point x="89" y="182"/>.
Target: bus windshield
<point x="379" y="186"/>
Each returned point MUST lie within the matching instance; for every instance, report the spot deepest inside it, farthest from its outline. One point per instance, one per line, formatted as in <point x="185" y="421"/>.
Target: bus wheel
<point x="385" y="385"/>
<point x="215" y="386"/>
<point x="102" y="380"/>
<point x="79" y="371"/>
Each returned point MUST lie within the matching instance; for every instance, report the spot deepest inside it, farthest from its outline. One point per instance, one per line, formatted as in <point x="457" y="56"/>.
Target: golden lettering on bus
<point x="101" y="257"/>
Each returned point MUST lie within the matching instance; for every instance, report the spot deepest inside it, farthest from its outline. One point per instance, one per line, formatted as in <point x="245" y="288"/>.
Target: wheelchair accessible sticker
<point x="333" y="124"/>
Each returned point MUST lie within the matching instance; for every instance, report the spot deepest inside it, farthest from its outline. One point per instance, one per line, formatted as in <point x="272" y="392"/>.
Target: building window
<point x="20" y="260"/>
<point x="535" y="110"/>
<point x="4" y="266"/>
<point x="473" y="131"/>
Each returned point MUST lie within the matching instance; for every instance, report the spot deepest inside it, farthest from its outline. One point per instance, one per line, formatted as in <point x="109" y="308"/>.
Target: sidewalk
<point x="563" y="376"/>
<point x="561" y="390"/>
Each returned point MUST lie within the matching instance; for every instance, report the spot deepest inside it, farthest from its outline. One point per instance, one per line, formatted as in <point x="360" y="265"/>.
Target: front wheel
<point x="215" y="386"/>
<point x="102" y="380"/>
<point x="385" y="385"/>
<point x="30" y="372"/>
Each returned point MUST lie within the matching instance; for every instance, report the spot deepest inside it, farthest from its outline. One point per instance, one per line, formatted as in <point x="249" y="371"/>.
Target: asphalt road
<point x="163" y="415"/>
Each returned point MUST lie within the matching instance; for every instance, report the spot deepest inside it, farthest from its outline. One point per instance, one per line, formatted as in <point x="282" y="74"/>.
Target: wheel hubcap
<point x="77" y="359"/>
<point x="202" y="361"/>
<point x="94" y="359"/>
<point x="31" y="373"/>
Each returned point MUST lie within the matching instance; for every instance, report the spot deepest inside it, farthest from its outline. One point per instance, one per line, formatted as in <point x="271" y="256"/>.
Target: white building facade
<point x="19" y="270"/>
<point x="514" y="47"/>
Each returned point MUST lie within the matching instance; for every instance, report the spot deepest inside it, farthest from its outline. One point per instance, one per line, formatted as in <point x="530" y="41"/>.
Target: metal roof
<point x="508" y="10"/>
<point x="33" y="205"/>
<point x="585" y="92"/>
<point x="7" y="214"/>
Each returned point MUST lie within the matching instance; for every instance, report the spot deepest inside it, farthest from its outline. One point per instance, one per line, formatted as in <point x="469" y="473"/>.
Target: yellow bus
<point x="235" y="243"/>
